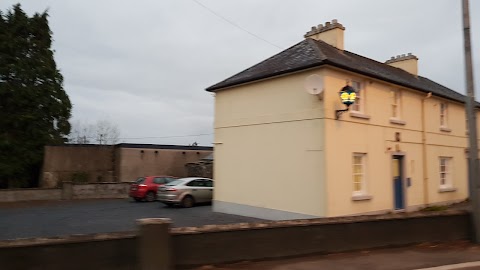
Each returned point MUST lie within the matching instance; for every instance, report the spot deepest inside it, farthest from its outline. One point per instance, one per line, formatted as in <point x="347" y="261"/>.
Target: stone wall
<point x="30" y="194"/>
<point x="115" y="163"/>
<point x="68" y="191"/>
<point x="77" y="163"/>
<point x="101" y="191"/>
<point x="136" y="162"/>
<point x="157" y="246"/>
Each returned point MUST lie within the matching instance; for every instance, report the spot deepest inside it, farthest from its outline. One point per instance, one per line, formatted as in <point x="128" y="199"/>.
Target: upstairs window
<point x="396" y="103"/>
<point x="359" y="105"/>
<point x="443" y="115"/>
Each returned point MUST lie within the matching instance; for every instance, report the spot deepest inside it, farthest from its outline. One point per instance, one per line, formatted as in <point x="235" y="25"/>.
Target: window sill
<point x="445" y="129"/>
<point x="359" y="115"/>
<point x="397" y="121"/>
<point x="446" y="189"/>
<point x="361" y="197"/>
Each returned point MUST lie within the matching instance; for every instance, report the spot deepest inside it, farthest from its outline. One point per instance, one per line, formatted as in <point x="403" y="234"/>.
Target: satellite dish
<point x="314" y="84"/>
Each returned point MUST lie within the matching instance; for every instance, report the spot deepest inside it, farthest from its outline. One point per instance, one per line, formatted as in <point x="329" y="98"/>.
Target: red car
<point x="145" y="188"/>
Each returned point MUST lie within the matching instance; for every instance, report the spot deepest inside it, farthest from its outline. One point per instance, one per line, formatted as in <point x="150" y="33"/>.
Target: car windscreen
<point x="175" y="182"/>
<point x="140" y="180"/>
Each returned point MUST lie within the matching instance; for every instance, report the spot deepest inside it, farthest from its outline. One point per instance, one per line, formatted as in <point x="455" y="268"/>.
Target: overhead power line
<point x="167" y="137"/>
<point x="236" y="25"/>
<point x="154" y="137"/>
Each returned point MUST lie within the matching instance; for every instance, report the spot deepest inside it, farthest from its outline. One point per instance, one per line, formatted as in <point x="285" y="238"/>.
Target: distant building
<point x="281" y="152"/>
<point x="116" y="163"/>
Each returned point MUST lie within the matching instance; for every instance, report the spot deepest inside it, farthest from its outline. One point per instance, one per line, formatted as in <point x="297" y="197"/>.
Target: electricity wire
<point x="235" y="25"/>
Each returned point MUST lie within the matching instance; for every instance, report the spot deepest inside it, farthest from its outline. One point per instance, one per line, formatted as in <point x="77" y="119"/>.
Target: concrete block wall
<point x="101" y="191"/>
<point x="68" y="191"/>
<point x="30" y="194"/>
<point x="214" y="244"/>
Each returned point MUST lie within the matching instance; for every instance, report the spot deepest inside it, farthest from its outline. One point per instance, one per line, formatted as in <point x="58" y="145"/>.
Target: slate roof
<point x="312" y="53"/>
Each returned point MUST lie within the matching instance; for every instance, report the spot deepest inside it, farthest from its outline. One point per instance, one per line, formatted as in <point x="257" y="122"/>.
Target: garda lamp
<point x="347" y="96"/>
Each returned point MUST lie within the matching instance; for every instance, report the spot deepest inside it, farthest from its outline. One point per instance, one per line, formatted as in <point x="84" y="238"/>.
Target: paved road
<point x="98" y="216"/>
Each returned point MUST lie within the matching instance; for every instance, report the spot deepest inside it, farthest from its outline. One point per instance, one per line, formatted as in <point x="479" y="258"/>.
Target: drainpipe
<point x="424" y="152"/>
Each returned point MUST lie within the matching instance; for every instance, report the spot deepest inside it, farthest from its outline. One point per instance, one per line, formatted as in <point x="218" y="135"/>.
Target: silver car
<point x="186" y="191"/>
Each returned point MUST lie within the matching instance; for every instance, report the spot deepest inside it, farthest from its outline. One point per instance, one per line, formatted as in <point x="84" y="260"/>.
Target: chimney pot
<point x="407" y="62"/>
<point x="329" y="32"/>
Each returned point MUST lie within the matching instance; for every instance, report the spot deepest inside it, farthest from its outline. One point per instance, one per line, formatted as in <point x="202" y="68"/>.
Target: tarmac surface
<point x="56" y="218"/>
<point x="456" y="255"/>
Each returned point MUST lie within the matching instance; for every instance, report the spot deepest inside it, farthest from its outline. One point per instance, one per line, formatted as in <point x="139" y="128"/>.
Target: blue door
<point x="398" y="190"/>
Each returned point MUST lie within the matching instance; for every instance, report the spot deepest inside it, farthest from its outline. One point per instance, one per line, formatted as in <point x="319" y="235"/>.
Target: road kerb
<point x="453" y="266"/>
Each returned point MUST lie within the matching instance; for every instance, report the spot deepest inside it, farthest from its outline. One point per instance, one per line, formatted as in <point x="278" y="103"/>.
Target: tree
<point x="34" y="108"/>
<point x="102" y="132"/>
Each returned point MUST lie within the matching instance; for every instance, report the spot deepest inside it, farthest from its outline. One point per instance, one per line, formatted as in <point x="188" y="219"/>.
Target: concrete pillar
<point x="67" y="190"/>
<point x="155" y="250"/>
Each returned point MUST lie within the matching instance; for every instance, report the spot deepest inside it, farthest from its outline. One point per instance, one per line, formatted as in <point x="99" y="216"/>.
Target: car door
<point x="198" y="190"/>
<point x="208" y="190"/>
<point x="193" y="189"/>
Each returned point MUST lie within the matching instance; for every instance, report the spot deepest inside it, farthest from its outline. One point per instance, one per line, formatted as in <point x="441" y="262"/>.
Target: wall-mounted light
<point x="347" y="96"/>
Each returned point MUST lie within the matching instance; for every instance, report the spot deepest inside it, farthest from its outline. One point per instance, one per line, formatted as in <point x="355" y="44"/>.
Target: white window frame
<point x="359" y="105"/>
<point x="443" y="115"/>
<point x="363" y="174"/>
<point x="396" y="104"/>
<point x="445" y="172"/>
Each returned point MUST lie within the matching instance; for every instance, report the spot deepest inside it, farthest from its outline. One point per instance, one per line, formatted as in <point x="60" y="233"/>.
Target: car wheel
<point x="188" y="202"/>
<point x="150" y="197"/>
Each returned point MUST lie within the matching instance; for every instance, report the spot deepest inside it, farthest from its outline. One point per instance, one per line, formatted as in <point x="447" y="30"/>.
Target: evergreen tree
<point x="34" y="108"/>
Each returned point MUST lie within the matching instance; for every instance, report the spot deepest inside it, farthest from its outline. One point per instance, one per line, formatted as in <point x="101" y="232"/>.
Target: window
<point x="196" y="183"/>
<point x="359" y="104"/>
<point x="209" y="183"/>
<point x="359" y="185"/>
<point x="395" y="104"/>
<point x="159" y="180"/>
<point x="443" y="114"/>
<point x="445" y="172"/>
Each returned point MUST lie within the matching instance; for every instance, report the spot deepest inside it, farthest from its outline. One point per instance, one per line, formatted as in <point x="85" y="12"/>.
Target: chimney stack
<point x="408" y="62"/>
<point x="331" y="33"/>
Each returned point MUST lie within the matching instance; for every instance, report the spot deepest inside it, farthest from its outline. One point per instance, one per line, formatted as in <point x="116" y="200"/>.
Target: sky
<point x="144" y="65"/>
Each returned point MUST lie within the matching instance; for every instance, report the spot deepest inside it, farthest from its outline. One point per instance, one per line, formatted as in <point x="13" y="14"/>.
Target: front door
<point x="398" y="190"/>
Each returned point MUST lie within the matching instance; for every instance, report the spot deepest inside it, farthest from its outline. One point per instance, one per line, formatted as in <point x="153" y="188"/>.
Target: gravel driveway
<point x="48" y="219"/>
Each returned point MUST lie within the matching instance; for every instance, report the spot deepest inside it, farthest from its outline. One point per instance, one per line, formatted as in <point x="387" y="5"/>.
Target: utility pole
<point x="473" y="181"/>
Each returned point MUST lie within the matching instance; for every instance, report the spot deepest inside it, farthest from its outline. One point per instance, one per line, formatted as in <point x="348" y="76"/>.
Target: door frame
<point x="402" y="158"/>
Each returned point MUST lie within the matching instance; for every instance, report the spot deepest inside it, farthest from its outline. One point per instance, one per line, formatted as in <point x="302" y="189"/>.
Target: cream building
<point x="281" y="152"/>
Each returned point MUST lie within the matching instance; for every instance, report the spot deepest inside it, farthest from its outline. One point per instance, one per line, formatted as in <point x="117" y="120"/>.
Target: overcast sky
<point x="144" y="65"/>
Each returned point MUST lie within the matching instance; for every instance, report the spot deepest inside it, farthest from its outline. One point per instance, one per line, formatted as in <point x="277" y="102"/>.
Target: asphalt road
<point x="98" y="216"/>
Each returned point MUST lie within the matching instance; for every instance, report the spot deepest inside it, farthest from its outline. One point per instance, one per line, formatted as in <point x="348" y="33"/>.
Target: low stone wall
<point x="214" y="244"/>
<point x="101" y="191"/>
<point x="67" y="192"/>
<point x="97" y="251"/>
<point x="277" y="239"/>
<point x="30" y="194"/>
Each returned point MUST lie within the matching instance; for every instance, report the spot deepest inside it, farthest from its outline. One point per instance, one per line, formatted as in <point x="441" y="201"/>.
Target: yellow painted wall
<point x="269" y="146"/>
<point x="374" y="134"/>
<point x="278" y="147"/>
